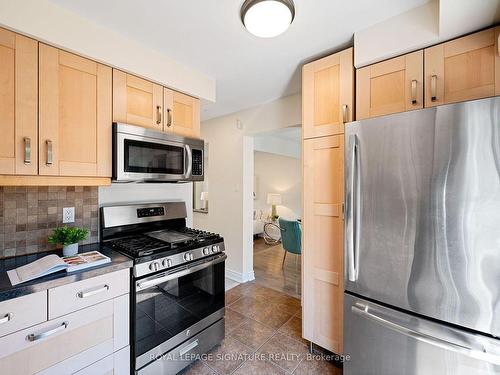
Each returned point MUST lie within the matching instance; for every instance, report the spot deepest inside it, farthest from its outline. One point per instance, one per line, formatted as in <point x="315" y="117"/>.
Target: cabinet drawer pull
<point x="169" y="117"/>
<point x="344" y="113"/>
<point x="433" y="87"/>
<point x="49" y="152"/>
<point x="32" y="337"/>
<point x="158" y="114"/>
<point x="414" y="91"/>
<point x="6" y="318"/>
<point x="27" y="150"/>
<point x="92" y="292"/>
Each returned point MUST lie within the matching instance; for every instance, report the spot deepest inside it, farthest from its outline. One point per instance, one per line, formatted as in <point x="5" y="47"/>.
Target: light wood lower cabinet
<point x="328" y="94"/>
<point x="391" y="86"/>
<point x="137" y="101"/>
<point x="18" y="104"/>
<point x="22" y="312"/>
<point x="323" y="226"/>
<point x="74" y="115"/>
<point x="463" y="69"/>
<point x="182" y="114"/>
<point x="69" y="343"/>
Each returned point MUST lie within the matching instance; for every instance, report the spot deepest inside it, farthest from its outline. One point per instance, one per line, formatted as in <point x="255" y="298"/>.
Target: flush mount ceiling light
<point x="267" y="18"/>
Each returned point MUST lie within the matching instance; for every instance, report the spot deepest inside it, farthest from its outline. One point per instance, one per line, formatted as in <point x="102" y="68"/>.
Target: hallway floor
<point x="267" y="264"/>
<point x="263" y="337"/>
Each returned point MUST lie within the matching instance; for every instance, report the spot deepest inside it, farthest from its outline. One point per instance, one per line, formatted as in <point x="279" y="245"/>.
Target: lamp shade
<point x="273" y="198"/>
<point x="204" y="196"/>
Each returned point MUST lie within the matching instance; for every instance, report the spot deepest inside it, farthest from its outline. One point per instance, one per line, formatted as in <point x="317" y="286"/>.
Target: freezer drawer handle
<point x="363" y="310"/>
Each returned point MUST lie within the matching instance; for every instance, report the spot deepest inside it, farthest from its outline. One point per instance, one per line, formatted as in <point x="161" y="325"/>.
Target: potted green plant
<point x="69" y="238"/>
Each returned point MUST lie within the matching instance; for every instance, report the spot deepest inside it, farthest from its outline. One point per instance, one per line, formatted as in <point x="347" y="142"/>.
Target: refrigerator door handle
<point x="364" y="311"/>
<point x="353" y="214"/>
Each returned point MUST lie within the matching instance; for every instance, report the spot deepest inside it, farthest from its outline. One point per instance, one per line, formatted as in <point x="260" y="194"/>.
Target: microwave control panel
<point x="197" y="165"/>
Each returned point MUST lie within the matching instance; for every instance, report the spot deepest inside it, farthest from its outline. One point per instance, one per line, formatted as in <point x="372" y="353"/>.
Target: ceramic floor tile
<point x="314" y="365"/>
<point x="293" y="329"/>
<point x="250" y="306"/>
<point x="284" y="351"/>
<point x="252" y="333"/>
<point x="228" y="356"/>
<point x="272" y="316"/>
<point x="259" y="367"/>
<point x="233" y="319"/>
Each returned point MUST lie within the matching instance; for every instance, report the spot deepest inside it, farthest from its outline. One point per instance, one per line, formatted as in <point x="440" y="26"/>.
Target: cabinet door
<point x="18" y="104"/>
<point x="75" y="115"/>
<point x="463" y="69"/>
<point x="328" y="94"/>
<point x="323" y="227"/>
<point x="182" y="114"/>
<point x="137" y="101"/>
<point x="392" y="86"/>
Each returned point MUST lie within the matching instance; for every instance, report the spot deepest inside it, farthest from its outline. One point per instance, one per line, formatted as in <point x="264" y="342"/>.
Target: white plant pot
<point x="69" y="250"/>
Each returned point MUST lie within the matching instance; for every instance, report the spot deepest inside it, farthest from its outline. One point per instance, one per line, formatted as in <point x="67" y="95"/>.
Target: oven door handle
<point x="159" y="279"/>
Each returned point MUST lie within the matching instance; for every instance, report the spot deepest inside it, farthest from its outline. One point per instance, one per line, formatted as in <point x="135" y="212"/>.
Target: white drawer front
<point x="55" y="346"/>
<point x="22" y="312"/>
<point x="75" y="296"/>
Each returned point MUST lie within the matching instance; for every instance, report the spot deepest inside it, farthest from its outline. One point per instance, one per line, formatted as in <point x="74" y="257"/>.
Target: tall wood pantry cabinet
<point x="328" y="97"/>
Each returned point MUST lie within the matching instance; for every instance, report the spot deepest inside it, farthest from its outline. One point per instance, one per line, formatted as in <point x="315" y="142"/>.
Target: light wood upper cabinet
<point x="328" y="94"/>
<point x="182" y="113"/>
<point x="391" y="86"/>
<point x="18" y="104"/>
<point x="74" y="115"/>
<point x="463" y="69"/>
<point x="323" y="241"/>
<point x="137" y="101"/>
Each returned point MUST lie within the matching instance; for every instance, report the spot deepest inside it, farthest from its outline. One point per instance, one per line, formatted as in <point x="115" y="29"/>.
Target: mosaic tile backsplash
<point x="28" y="215"/>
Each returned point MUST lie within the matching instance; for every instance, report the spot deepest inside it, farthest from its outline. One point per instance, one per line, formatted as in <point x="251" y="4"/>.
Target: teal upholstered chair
<point x="291" y="236"/>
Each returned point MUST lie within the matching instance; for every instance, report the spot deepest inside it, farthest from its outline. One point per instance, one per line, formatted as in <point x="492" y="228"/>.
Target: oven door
<point x="172" y="306"/>
<point x="140" y="158"/>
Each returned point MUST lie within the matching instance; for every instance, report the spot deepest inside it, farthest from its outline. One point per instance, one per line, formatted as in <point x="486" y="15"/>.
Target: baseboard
<point x="239" y="276"/>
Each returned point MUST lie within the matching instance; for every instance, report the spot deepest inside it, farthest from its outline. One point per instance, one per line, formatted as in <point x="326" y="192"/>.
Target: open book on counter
<point x="53" y="263"/>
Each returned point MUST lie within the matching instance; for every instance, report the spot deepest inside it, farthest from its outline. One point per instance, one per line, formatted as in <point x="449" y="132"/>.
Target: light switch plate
<point x="68" y="215"/>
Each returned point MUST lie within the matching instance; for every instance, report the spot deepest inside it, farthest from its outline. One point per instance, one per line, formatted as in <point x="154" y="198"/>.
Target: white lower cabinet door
<point x="69" y="343"/>
<point x="116" y="364"/>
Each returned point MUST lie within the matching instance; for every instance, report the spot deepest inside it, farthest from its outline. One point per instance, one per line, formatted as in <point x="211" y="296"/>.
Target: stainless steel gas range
<point x="177" y="291"/>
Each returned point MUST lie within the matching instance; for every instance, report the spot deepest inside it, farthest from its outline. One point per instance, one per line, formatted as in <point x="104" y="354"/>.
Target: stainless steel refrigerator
<point x="422" y="242"/>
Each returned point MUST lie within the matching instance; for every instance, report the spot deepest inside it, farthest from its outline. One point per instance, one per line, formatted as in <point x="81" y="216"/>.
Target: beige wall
<point x="230" y="174"/>
<point x="278" y="174"/>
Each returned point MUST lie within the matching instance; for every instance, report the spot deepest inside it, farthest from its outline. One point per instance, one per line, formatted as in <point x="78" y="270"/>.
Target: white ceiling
<point x="207" y="35"/>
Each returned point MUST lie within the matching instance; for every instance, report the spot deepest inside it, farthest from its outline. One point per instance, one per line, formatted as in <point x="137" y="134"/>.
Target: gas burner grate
<point x="138" y="245"/>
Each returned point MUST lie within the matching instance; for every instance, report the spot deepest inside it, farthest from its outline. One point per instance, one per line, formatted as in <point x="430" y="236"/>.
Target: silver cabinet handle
<point x="364" y="311"/>
<point x="433" y="87"/>
<point x="6" y="318"/>
<point x="414" y="91"/>
<point x="344" y="113"/>
<point x="169" y="117"/>
<point x="32" y="337"/>
<point x="27" y="150"/>
<point x="48" y="142"/>
<point x="92" y="292"/>
<point x="158" y="114"/>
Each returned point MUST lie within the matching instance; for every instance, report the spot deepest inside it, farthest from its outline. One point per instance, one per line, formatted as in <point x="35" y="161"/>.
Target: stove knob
<point x="187" y="257"/>
<point x="154" y="266"/>
<point x="167" y="262"/>
<point x="191" y="256"/>
<point x="206" y="251"/>
<point x="215" y="249"/>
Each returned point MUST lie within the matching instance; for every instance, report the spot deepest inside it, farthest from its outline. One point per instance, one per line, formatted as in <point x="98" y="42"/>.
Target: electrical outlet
<point x="68" y="214"/>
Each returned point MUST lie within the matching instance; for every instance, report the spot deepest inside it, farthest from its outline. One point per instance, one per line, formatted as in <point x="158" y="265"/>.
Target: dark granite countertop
<point x="7" y="291"/>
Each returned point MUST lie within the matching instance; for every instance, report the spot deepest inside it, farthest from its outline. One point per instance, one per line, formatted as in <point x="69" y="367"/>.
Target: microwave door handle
<point x="189" y="158"/>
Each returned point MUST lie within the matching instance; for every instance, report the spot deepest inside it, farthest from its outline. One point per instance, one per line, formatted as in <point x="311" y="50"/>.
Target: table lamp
<point x="273" y="199"/>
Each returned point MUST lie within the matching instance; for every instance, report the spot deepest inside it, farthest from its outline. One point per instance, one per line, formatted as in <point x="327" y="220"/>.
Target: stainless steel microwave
<point x="145" y="155"/>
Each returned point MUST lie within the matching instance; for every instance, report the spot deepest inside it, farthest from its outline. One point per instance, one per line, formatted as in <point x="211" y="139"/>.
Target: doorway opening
<point x="277" y="210"/>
